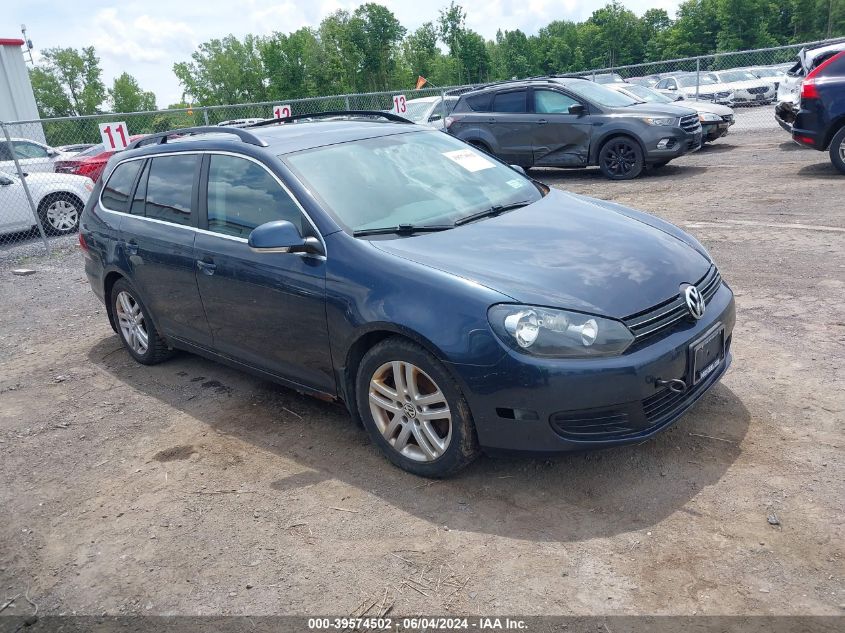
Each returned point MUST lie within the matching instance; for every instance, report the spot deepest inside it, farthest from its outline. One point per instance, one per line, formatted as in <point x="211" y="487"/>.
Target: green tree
<point x="742" y="24"/>
<point x="68" y="83"/>
<point x="377" y="34"/>
<point x="695" y="29"/>
<point x="619" y="38"/>
<point x="512" y="55"/>
<point x="224" y="71"/>
<point x="292" y="64"/>
<point x="126" y="95"/>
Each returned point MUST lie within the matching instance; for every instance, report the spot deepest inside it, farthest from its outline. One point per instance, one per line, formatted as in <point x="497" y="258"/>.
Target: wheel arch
<point x="833" y="129"/>
<point x="595" y="147"/>
<point x="109" y="280"/>
<point x="53" y="195"/>
<point x="365" y="340"/>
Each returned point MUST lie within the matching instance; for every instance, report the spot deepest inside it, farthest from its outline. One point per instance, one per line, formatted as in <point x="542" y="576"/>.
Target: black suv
<point x="820" y="122"/>
<point x="573" y="122"/>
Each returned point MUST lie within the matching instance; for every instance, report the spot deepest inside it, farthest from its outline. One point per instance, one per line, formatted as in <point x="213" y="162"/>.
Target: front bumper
<point x="715" y="130"/>
<point x="753" y="98"/>
<point x="523" y="403"/>
<point x="677" y="142"/>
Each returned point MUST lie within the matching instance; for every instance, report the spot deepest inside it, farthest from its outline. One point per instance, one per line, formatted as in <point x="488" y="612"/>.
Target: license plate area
<point x="707" y="354"/>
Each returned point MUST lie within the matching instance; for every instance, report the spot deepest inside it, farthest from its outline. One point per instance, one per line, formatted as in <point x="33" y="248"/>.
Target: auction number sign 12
<point x="400" y="104"/>
<point x="281" y="111"/>
<point x="115" y="136"/>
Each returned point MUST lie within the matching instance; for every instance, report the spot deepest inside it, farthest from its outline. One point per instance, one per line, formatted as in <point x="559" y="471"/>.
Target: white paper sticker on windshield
<point x="469" y="160"/>
<point x="516" y="184"/>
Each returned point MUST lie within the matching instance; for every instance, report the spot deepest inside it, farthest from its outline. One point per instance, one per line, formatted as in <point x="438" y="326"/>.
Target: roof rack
<point x="332" y="113"/>
<point x="161" y="137"/>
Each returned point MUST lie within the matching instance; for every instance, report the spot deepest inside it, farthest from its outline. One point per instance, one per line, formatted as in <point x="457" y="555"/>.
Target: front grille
<point x="706" y="95"/>
<point x="690" y="123"/>
<point x="664" y="315"/>
<point x="759" y="90"/>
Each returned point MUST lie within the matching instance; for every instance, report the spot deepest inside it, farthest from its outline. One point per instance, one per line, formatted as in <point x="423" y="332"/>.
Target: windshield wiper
<point x="403" y="229"/>
<point x="493" y="211"/>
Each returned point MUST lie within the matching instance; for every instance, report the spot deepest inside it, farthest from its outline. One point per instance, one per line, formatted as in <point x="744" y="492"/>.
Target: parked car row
<point x="789" y="90"/>
<point x="59" y="200"/>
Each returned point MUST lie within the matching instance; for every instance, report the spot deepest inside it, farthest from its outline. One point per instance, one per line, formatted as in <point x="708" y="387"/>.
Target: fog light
<point x="666" y="143"/>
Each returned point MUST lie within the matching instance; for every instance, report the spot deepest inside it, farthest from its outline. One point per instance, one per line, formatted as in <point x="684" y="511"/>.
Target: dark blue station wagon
<point x="451" y="302"/>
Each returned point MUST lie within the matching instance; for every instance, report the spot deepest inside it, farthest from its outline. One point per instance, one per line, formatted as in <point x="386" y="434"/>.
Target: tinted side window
<point x="137" y="207"/>
<point x="243" y="195"/>
<point x="835" y="68"/>
<point x="169" y="186"/>
<point x="552" y="102"/>
<point x="115" y="194"/>
<point x="510" y="101"/>
<point x="480" y="103"/>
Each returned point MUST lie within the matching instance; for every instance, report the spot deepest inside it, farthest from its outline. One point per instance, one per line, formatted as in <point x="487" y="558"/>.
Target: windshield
<point x="736" y="75"/>
<point x="767" y="72"/>
<point x="608" y="78"/>
<point x="418" y="178"/>
<point x="688" y="81"/>
<point x="92" y="151"/>
<point x="601" y="95"/>
<point x="647" y="94"/>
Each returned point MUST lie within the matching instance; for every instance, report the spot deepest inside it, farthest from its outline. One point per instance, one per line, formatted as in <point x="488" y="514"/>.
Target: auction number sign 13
<point x="115" y="136"/>
<point x="281" y="111"/>
<point x="400" y="104"/>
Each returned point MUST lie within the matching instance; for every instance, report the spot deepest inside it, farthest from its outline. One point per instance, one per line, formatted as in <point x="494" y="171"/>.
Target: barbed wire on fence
<point x="48" y="166"/>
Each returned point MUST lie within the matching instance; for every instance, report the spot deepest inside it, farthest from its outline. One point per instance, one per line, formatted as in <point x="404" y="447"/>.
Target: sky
<point x="146" y="38"/>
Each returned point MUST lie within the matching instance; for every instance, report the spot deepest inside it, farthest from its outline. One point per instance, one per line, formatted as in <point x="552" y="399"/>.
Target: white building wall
<point x="17" y="102"/>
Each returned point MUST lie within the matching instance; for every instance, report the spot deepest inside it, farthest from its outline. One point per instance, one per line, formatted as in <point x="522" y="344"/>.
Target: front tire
<point x="414" y="410"/>
<point x="621" y="158"/>
<point x="135" y="327"/>
<point x="60" y="213"/>
<point x="837" y="150"/>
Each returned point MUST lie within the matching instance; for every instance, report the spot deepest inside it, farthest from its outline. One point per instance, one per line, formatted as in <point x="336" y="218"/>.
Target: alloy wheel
<point x="62" y="216"/>
<point x="130" y="318"/>
<point x="410" y="411"/>
<point x="842" y="150"/>
<point x="620" y="158"/>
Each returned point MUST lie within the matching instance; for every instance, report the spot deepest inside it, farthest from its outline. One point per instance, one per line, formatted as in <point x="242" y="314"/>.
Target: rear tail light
<point x="809" y="87"/>
<point x="450" y="120"/>
<point x="82" y="243"/>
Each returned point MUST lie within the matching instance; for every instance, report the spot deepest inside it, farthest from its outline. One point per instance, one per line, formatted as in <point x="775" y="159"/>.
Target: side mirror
<point x="280" y="236"/>
<point x="5" y="182"/>
<point x="577" y="109"/>
<point x="519" y="168"/>
<point x="435" y="117"/>
<point x="671" y="87"/>
<point x="52" y="152"/>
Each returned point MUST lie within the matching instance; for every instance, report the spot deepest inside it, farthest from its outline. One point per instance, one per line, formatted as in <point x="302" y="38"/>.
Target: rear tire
<point x="135" y="327"/>
<point x="414" y="410"/>
<point x="620" y="158"/>
<point x="837" y="150"/>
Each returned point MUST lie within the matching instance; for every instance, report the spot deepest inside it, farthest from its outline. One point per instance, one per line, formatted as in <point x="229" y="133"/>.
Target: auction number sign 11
<point x="115" y="136"/>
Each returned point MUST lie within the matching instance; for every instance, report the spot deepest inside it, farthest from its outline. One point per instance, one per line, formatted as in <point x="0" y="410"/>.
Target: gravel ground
<point x="191" y="488"/>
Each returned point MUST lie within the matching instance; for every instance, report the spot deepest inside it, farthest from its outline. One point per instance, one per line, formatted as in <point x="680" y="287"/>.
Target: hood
<point x="707" y="106"/>
<point x="659" y="109"/>
<point x="708" y="89"/>
<point x="565" y="251"/>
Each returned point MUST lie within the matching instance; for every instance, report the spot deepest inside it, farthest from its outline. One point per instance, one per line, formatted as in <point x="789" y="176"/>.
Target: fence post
<point x="443" y="107"/>
<point x="697" y="73"/>
<point x="205" y="115"/>
<point x="346" y="101"/>
<point x="26" y="189"/>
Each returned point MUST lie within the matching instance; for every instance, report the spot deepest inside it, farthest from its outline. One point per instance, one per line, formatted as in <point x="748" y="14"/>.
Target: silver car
<point x="430" y="110"/>
<point x="747" y="87"/>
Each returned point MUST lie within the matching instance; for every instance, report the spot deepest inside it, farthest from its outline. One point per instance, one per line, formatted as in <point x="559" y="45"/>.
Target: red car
<point x="89" y="163"/>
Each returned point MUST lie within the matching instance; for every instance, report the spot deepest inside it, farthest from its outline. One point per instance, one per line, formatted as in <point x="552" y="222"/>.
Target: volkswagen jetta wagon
<point x="452" y="303"/>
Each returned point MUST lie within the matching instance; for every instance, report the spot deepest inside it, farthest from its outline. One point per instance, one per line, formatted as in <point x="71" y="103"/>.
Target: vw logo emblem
<point x="694" y="300"/>
<point x="410" y="411"/>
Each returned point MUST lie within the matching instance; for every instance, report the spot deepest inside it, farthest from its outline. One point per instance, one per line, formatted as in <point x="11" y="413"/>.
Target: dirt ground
<point x="191" y="488"/>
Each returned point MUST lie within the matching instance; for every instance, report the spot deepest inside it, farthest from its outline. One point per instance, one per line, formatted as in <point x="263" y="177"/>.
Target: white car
<point x="32" y="155"/>
<point x="685" y="84"/>
<point x="429" y="110"/>
<point x="59" y="199"/>
<point x="746" y="86"/>
<point x="715" y="119"/>
<point x="789" y="90"/>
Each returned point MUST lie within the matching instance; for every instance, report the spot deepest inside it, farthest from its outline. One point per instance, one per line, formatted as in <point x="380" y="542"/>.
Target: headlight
<point x="558" y="333"/>
<point x="660" y="120"/>
<point x="708" y="117"/>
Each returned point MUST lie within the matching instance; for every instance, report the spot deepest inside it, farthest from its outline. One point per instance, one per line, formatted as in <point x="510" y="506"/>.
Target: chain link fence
<point x="48" y="166"/>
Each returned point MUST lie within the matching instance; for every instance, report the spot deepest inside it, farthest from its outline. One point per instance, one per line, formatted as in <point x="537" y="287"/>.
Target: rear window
<point x="92" y="151"/>
<point x="170" y="187"/>
<point x="514" y="101"/>
<point x="835" y="67"/>
<point x="116" y="193"/>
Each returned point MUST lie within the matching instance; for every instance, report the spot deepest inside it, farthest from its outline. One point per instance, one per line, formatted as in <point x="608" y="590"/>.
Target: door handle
<point x="542" y="122"/>
<point x="131" y="248"/>
<point x="491" y="120"/>
<point x="206" y="267"/>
